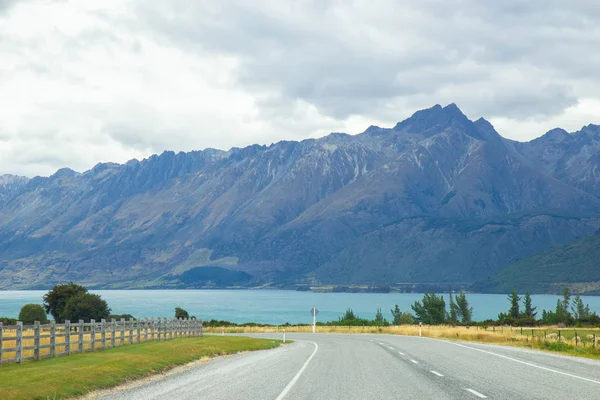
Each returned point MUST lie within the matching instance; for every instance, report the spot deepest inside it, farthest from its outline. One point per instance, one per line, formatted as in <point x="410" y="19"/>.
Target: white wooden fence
<point x="20" y="342"/>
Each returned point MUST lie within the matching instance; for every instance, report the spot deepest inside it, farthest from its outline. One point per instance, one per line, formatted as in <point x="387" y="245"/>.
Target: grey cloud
<point x="310" y="55"/>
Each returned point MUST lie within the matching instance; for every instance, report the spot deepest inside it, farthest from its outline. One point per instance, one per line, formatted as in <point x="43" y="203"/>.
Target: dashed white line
<point x="381" y="344"/>
<point x="391" y="348"/>
<point x="401" y="353"/>
<point x="436" y="373"/>
<point x="476" y="393"/>
<point x="297" y="376"/>
<point x="414" y="361"/>
<point x="527" y="363"/>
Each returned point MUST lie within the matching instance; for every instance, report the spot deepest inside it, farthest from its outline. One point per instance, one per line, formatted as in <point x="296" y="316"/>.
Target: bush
<point x="86" y="306"/>
<point x="181" y="313"/>
<point x="8" y="321"/>
<point x="32" y="312"/>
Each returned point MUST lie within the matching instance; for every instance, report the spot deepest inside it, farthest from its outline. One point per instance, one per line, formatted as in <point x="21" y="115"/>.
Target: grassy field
<point x="65" y="377"/>
<point x="541" y="338"/>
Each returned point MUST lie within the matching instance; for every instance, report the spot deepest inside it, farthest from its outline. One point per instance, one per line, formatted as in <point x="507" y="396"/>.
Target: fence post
<point x="146" y="325"/>
<point x="122" y="331"/>
<point x="19" y="342"/>
<point x="152" y="327"/>
<point x="138" y="329"/>
<point x="131" y="330"/>
<point x="559" y="335"/>
<point x="103" y="332"/>
<point x="36" y="340"/>
<point x="93" y="332"/>
<point x="2" y="332"/>
<point x="201" y="328"/>
<point x="1" y="344"/>
<point x="576" y="338"/>
<point x="53" y="339"/>
<point x="113" y="334"/>
<point x="80" y="336"/>
<point x="68" y="337"/>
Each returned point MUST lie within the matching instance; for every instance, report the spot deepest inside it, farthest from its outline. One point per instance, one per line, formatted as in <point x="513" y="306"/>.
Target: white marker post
<point x="284" y="336"/>
<point x="420" y="326"/>
<point x="314" y="313"/>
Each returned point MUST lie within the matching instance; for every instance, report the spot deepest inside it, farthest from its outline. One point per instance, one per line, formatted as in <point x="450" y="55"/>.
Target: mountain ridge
<point x="306" y="212"/>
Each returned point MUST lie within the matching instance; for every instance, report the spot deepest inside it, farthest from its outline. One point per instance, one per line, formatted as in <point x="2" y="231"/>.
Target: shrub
<point x="32" y="312"/>
<point x="181" y="313"/>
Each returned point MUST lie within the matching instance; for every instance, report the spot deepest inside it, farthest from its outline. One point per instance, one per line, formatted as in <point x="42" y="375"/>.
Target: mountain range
<point x="437" y="199"/>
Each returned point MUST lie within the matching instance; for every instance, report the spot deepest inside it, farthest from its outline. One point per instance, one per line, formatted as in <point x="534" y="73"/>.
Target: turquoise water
<point x="270" y="306"/>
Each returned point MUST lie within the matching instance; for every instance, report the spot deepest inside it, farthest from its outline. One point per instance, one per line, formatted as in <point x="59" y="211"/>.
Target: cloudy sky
<point x="88" y="81"/>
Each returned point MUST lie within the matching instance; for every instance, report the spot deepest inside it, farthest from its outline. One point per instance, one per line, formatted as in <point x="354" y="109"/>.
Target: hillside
<point x="437" y="198"/>
<point x="575" y="264"/>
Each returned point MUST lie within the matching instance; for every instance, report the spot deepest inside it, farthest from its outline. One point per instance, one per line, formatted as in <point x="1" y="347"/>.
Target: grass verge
<point x="78" y="374"/>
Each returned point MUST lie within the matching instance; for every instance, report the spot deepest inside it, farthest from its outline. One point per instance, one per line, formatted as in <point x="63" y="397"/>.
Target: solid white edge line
<point x="298" y="374"/>
<point x="476" y="393"/>
<point x="414" y="361"/>
<point x="528" y="363"/>
<point x="436" y="373"/>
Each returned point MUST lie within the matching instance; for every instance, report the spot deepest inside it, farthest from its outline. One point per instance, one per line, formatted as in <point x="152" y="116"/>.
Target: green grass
<point x="75" y="375"/>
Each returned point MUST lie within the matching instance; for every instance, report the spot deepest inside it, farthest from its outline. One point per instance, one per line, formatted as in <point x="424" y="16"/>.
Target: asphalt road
<point x="331" y="366"/>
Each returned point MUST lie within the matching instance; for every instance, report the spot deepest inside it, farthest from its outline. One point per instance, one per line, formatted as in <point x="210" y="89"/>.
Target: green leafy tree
<point x="349" y="315"/>
<point x="530" y="311"/>
<point x="514" y="299"/>
<point x="32" y="312"/>
<point x="56" y="299"/>
<point x="464" y="311"/>
<point x="379" y="317"/>
<point x="431" y="310"/>
<point x="402" y="318"/>
<point x="453" y="314"/>
<point x="181" y="313"/>
<point x="86" y="306"/>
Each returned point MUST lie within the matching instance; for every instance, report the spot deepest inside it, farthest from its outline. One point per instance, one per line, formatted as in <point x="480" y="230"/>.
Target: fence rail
<point x="20" y="342"/>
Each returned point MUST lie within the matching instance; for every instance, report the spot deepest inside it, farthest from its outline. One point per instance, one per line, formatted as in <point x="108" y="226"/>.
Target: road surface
<point x="331" y="366"/>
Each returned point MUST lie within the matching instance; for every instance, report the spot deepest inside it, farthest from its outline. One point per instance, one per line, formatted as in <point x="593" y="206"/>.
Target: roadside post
<point x="420" y="327"/>
<point x="284" y="336"/>
<point x="314" y="313"/>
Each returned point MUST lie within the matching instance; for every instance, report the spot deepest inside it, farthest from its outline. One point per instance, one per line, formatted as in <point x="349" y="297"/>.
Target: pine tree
<point x="379" y="317"/>
<point x="530" y="311"/>
<point x="396" y="315"/>
<point x="514" y="299"/>
<point x="431" y="310"/>
<point x="465" y="312"/>
<point x="453" y="315"/>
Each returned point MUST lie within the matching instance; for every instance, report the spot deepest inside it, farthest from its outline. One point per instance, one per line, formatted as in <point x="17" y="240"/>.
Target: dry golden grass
<point x="536" y="337"/>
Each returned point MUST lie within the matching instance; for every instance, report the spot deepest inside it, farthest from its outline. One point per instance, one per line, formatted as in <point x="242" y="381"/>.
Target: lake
<point x="271" y="306"/>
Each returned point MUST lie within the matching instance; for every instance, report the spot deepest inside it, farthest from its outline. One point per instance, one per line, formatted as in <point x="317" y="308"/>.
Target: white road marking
<point x="413" y="361"/>
<point x="391" y="348"/>
<point x="436" y="373"/>
<point x="401" y="353"/>
<point x="297" y="376"/>
<point x="528" y="363"/>
<point x="476" y="393"/>
<point x="381" y="344"/>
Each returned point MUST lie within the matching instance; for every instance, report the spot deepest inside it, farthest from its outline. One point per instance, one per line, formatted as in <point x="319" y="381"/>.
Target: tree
<point x="396" y="315"/>
<point x="580" y="310"/>
<point x="464" y="311"/>
<point x="379" y="317"/>
<point x="514" y="299"/>
<point x="562" y="307"/>
<point x="86" y="306"/>
<point x="32" y="312"/>
<point x="529" y="309"/>
<point x="56" y="299"/>
<point x="453" y="314"/>
<point x="181" y="313"/>
<point x="431" y="310"/>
